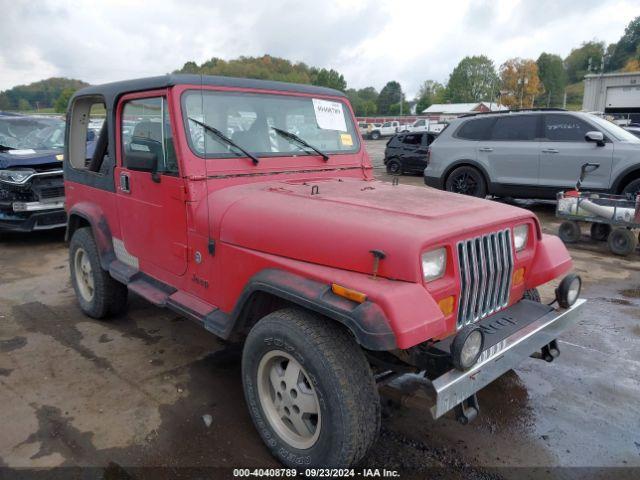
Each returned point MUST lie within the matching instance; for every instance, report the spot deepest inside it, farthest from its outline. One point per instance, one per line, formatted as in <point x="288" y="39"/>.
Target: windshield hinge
<point x="212" y="247"/>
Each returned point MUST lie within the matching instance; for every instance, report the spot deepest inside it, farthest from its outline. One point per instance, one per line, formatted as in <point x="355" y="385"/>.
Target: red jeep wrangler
<point x="250" y="207"/>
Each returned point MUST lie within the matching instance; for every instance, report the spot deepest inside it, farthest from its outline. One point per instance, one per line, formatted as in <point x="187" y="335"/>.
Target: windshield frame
<point x="349" y="117"/>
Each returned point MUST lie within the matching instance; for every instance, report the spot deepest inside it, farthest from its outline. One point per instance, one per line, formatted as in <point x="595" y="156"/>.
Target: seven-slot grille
<point x="486" y="265"/>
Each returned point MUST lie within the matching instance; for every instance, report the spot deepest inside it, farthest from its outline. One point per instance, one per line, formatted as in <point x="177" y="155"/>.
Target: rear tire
<point x="569" y="231"/>
<point x="632" y="188"/>
<point x="600" y="231"/>
<point x="330" y="377"/>
<point x="467" y="181"/>
<point x="622" y="241"/>
<point x="394" y="167"/>
<point x="375" y="135"/>
<point x="98" y="294"/>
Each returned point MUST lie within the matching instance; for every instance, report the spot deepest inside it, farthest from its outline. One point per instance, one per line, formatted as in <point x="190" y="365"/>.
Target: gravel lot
<point x="132" y="392"/>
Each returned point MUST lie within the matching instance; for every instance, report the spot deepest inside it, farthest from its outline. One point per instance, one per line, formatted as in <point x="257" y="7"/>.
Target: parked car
<point x="532" y="154"/>
<point x="331" y="280"/>
<point x="363" y="128"/>
<point x="387" y="129"/>
<point x="633" y="128"/>
<point x="31" y="182"/>
<point x="407" y="152"/>
<point x="424" y="125"/>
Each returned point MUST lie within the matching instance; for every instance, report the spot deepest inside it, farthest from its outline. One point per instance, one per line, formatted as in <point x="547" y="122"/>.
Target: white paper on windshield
<point x="329" y="115"/>
<point x="26" y="151"/>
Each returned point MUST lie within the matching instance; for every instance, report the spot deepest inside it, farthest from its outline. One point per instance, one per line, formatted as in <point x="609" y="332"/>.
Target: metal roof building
<point x="612" y="92"/>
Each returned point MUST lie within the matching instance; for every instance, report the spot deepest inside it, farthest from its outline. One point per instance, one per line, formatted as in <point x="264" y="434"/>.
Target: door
<point x="512" y="149"/>
<point x="410" y="147"/>
<point x="150" y="196"/>
<point x="564" y="150"/>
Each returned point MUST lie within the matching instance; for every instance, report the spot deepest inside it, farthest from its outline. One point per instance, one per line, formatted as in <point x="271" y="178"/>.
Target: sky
<point x="369" y="42"/>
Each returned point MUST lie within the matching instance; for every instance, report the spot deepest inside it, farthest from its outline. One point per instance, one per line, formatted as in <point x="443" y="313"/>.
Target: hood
<point x="28" y="158"/>
<point x="340" y="223"/>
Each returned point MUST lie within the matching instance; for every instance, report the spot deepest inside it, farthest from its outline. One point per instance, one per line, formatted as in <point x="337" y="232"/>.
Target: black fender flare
<point x="92" y="215"/>
<point x="366" y="321"/>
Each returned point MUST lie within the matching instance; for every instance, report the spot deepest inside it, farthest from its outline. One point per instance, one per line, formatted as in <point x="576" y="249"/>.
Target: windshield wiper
<point x="296" y="138"/>
<point x="5" y="148"/>
<point x="225" y="139"/>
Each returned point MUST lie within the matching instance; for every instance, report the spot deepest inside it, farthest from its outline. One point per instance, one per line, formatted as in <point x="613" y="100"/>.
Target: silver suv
<point x="532" y="154"/>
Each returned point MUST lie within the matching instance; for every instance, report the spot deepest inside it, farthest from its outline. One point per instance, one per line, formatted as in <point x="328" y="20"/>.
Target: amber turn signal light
<point x="446" y="305"/>
<point x="348" y="293"/>
<point x="518" y="276"/>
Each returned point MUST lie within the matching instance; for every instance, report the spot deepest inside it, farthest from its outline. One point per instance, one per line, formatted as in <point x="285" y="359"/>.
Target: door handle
<point x="125" y="185"/>
<point x="485" y="149"/>
<point x="550" y="150"/>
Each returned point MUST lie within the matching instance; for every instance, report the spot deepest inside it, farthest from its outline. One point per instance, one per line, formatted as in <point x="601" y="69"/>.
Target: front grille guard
<point x="486" y="266"/>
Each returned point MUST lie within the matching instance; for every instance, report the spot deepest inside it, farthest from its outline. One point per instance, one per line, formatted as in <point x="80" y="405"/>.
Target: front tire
<point x="310" y="390"/>
<point x="98" y="294"/>
<point x="467" y="181"/>
<point x="375" y="135"/>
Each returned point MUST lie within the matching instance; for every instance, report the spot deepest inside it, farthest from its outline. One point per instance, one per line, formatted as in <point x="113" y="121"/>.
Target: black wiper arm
<point x="226" y="139"/>
<point x="296" y="138"/>
<point x="4" y="147"/>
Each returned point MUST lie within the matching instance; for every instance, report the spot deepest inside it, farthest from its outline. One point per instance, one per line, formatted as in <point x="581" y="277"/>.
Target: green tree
<point x="430" y="92"/>
<point x="473" y="80"/>
<point x="361" y="103"/>
<point x="43" y="93"/>
<point x="63" y="100"/>
<point x="395" y="108"/>
<point x="625" y="49"/>
<point x="553" y="78"/>
<point x="578" y="61"/>
<point x="368" y="94"/>
<point x="23" y="105"/>
<point x="328" y="78"/>
<point x="390" y="94"/>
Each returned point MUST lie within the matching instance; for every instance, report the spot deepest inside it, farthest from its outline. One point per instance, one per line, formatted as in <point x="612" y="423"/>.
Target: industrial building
<point x="613" y="93"/>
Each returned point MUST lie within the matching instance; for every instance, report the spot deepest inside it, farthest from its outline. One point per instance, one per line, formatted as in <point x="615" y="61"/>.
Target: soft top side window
<point x="88" y="134"/>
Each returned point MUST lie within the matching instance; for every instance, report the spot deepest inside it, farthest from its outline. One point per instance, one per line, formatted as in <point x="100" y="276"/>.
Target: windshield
<point x="32" y="133"/>
<point x="248" y="118"/>
<point x="614" y="130"/>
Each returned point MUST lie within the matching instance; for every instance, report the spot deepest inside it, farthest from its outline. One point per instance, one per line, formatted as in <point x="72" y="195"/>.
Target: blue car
<point x="31" y="183"/>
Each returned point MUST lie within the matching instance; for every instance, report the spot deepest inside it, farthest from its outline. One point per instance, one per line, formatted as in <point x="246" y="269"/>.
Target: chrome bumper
<point x="38" y="206"/>
<point x="455" y="386"/>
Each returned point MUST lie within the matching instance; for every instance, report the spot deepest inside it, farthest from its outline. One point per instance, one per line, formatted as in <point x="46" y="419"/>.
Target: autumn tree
<point x="473" y="80"/>
<point x="553" y="78"/>
<point x="430" y="92"/>
<point x="520" y="82"/>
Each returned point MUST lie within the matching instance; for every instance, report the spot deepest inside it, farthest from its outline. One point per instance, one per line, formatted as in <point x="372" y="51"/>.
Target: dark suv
<point x="407" y="152"/>
<point x="532" y="154"/>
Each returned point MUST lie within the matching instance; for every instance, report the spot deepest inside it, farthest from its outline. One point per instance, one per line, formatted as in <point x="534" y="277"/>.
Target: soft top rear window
<point x="249" y="119"/>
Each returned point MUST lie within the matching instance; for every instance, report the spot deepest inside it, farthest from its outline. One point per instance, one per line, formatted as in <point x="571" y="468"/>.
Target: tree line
<point x="517" y="82"/>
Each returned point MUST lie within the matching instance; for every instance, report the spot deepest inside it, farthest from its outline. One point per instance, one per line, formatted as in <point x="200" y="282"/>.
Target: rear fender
<point x="89" y="213"/>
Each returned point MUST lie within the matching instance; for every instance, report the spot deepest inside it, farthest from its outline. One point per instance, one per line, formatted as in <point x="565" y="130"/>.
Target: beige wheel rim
<point x="289" y="399"/>
<point x="84" y="274"/>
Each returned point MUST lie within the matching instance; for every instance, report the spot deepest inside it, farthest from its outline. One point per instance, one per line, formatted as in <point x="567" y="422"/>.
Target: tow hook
<point x="548" y="353"/>
<point x="467" y="410"/>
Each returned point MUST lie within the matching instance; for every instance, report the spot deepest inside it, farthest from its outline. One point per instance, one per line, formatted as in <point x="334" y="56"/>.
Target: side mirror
<point x="141" y="161"/>
<point x="595" y="137"/>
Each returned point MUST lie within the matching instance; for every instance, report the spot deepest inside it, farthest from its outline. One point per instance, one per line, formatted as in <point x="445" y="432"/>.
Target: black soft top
<point x="112" y="91"/>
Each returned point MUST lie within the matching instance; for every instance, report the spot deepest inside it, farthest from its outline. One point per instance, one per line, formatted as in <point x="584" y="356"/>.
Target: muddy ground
<point x="132" y="392"/>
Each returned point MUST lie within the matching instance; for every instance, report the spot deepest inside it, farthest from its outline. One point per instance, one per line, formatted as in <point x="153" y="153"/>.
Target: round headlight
<point x="467" y="347"/>
<point x="569" y="290"/>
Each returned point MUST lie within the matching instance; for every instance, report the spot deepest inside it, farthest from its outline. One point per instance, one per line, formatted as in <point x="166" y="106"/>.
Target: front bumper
<point x="28" y="221"/>
<point x="511" y="336"/>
